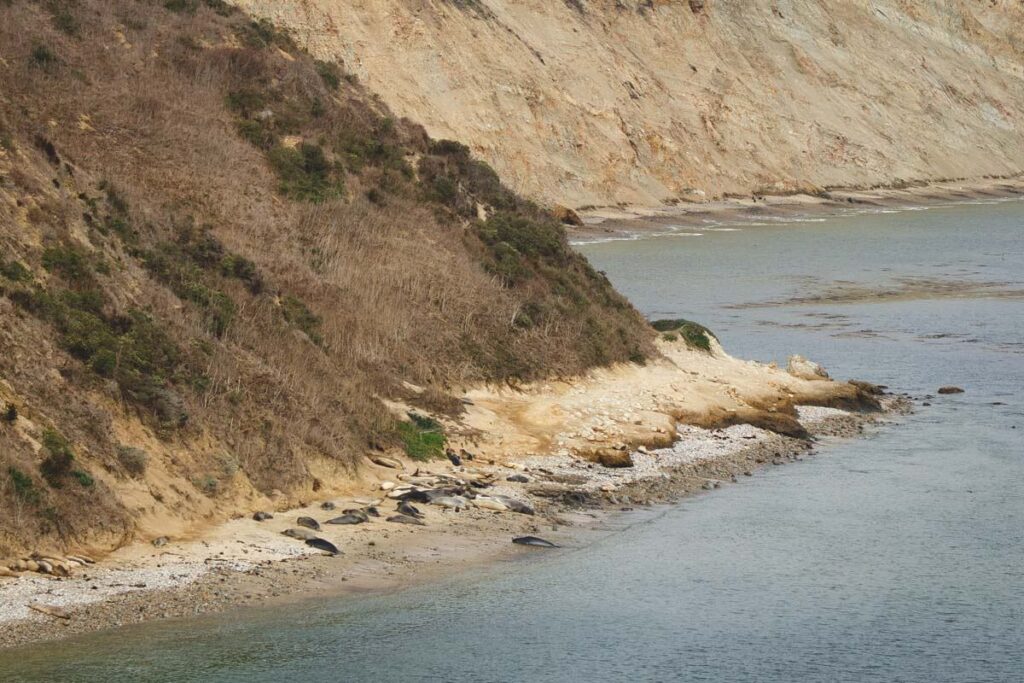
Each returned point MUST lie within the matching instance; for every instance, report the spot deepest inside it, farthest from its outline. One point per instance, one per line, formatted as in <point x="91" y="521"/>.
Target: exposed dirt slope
<point x="588" y="102"/>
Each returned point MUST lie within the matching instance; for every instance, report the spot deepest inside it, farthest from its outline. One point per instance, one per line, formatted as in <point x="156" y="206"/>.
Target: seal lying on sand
<point x="349" y="518"/>
<point x="516" y="505"/>
<point x="405" y="519"/>
<point x="261" y="516"/>
<point x="308" y="522"/>
<point x="409" y="510"/>
<point x="301" y="534"/>
<point x="534" y="541"/>
<point x="321" y="544"/>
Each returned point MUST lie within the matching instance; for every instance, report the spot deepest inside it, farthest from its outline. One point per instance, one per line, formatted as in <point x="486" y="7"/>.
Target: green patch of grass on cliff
<point x="423" y="438"/>
<point x="694" y="334"/>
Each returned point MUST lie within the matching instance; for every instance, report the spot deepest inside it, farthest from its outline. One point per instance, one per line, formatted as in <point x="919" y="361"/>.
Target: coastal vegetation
<point x="219" y="244"/>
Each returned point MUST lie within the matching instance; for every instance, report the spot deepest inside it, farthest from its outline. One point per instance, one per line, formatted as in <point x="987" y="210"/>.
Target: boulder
<point x="567" y="216"/>
<point x="805" y="369"/>
<point x="613" y="458"/>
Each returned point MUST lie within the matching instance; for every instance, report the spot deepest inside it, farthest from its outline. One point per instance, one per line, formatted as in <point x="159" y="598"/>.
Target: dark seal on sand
<point x="321" y="544"/>
<point x="309" y="523"/>
<point x="533" y="541"/>
<point x="950" y="390"/>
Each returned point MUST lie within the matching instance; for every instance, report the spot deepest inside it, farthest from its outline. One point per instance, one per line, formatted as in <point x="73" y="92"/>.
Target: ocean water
<point x="897" y="557"/>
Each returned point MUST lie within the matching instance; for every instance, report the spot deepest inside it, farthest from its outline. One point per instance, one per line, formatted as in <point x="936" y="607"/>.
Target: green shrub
<point x="61" y="16"/>
<point x="529" y="237"/>
<point x="330" y="73"/>
<point x="15" y="271"/>
<point x="59" y="457"/>
<point x="68" y="261"/>
<point x="43" y="58"/>
<point x="220" y="7"/>
<point x="207" y="484"/>
<point x="422" y="437"/>
<point x="694" y="334"/>
<point x="182" y="6"/>
<point x="177" y="268"/>
<point x="134" y="460"/>
<point x="304" y="174"/>
<point x="243" y="269"/>
<point x="297" y="314"/>
<point x="83" y="478"/>
<point x="23" y="486"/>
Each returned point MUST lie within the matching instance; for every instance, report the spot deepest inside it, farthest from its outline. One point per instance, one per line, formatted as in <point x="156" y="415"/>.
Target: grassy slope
<point x="217" y="254"/>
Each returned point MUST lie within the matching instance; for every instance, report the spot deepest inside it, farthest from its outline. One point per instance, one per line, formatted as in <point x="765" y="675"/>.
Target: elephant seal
<point x="534" y="541"/>
<point x="301" y="534"/>
<point x="516" y="505"/>
<point x="409" y="510"/>
<point x="309" y="523"/>
<point x="348" y="519"/>
<point x="490" y="503"/>
<point x="518" y="478"/>
<point x="372" y="511"/>
<point x="321" y="544"/>
<point x="451" y="502"/>
<point x="262" y="516"/>
<point x="327" y="505"/>
<point x="453" y="457"/>
<point x="405" y="519"/>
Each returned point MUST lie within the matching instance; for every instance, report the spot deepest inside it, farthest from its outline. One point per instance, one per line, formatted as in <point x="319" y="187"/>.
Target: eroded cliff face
<point x="609" y="101"/>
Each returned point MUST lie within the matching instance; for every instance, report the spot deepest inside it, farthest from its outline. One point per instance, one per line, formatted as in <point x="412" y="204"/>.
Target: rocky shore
<point x="247" y="562"/>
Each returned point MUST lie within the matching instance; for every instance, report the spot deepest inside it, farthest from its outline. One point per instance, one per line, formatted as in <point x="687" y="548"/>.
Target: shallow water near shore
<point x="899" y="556"/>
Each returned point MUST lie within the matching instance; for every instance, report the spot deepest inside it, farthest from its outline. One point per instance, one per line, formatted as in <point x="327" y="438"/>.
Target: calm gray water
<point x="899" y="557"/>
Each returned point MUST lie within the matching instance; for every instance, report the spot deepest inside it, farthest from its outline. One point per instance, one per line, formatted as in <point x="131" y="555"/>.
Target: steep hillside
<point x="605" y="101"/>
<point x="218" y="256"/>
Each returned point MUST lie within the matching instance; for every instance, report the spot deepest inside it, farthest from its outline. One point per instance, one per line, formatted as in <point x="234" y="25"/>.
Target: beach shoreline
<point x="633" y="222"/>
<point x="250" y="564"/>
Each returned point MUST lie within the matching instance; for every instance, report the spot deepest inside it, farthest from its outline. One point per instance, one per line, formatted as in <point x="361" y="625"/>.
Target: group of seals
<point x="46" y="564"/>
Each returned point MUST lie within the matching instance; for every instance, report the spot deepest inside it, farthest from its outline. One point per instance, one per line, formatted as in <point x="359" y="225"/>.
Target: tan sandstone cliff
<point x="608" y="101"/>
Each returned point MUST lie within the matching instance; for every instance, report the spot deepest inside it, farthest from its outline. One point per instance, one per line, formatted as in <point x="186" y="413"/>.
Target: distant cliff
<point x="606" y="101"/>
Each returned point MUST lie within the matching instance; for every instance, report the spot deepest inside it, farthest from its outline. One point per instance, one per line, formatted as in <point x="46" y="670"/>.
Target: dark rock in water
<point x="348" y="519"/>
<point x="409" y="509"/>
<point x="308" y="522"/>
<point x="327" y="505"/>
<point x="321" y="544"/>
<point x="521" y="478"/>
<point x="405" y="519"/>
<point x="950" y="390"/>
<point x="262" y="516"/>
<point x="873" y="389"/>
<point x="455" y="459"/>
<point x="533" y="541"/>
